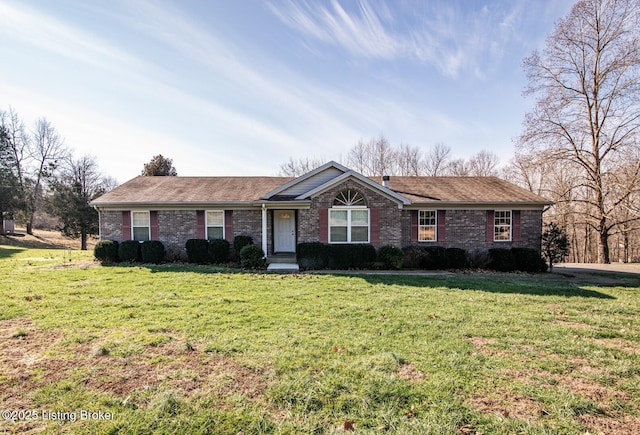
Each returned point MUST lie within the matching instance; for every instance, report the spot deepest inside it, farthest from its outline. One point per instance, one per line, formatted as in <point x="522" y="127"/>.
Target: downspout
<point x="99" y="222"/>
<point x="264" y="229"/>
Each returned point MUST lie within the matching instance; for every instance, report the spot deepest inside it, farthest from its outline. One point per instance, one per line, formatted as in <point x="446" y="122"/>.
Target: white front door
<point x="284" y="231"/>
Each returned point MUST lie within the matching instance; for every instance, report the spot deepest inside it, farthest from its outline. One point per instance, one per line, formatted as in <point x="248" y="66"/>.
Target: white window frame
<point x="496" y="225"/>
<point x="434" y="226"/>
<point x="207" y="225"/>
<point x="349" y="226"/>
<point x="148" y="226"/>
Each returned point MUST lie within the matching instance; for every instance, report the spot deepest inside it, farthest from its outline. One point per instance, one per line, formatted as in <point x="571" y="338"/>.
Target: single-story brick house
<point x="331" y="204"/>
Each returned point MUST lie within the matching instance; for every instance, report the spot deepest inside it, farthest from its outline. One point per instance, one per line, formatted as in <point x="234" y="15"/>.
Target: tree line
<point x="40" y="174"/>
<point x="377" y="157"/>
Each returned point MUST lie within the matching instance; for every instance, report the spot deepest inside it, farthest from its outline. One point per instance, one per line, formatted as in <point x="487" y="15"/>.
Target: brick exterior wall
<point x="390" y="214"/>
<point x="467" y="229"/>
<point x="464" y="228"/>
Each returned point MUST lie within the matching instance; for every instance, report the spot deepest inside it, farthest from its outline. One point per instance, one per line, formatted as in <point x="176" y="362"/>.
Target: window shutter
<point x="515" y="216"/>
<point x="414" y="225"/>
<point x="490" y="224"/>
<point x="442" y="226"/>
<point x="228" y="225"/>
<point x="126" y="225"/>
<point x="324" y="225"/>
<point x="153" y="224"/>
<point x="200" y="230"/>
<point x="374" y="226"/>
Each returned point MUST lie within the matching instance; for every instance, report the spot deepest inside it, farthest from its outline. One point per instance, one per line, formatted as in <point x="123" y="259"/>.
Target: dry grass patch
<point x="31" y="358"/>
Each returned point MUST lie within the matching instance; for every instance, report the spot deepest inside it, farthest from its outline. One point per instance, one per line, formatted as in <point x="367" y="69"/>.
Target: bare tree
<point x="587" y="84"/>
<point x="437" y="160"/>
<point x="298" y="167"/>
<point x="409" y="160"/>
<point x="483" y="164"/>
<point x="373" y="158"/>
<point x="458" y="168"/>
<point x="47" y="151"/>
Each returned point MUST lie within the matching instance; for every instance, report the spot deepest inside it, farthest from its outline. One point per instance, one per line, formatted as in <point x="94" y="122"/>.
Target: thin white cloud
<point x="28" y="25"/>
<point x="441" y="34"/>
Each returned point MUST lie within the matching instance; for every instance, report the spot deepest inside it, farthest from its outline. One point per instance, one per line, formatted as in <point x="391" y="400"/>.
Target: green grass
<point x="199" y="349"/>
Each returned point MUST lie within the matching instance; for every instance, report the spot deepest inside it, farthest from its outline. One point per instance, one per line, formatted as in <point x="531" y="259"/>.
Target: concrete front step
<point x="281" y="258"/>
<point x="283" y="267"/>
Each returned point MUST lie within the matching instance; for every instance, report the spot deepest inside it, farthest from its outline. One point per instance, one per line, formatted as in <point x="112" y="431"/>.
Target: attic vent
<point x="349" y="198"/>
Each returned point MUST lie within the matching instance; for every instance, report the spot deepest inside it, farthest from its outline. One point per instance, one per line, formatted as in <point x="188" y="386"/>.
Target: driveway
<point x="633" y="268"/>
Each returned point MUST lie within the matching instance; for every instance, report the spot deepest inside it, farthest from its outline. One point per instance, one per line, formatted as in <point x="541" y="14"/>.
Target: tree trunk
<point x="83" y="241"/>
<point x="603" y="247"/>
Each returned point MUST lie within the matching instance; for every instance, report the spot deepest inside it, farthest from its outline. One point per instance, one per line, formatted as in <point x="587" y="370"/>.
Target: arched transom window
<point x="349" y="218"/>
<point x="349" y="198"/>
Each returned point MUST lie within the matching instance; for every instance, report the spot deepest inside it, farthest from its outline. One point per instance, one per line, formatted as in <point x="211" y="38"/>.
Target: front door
<point x="284" y="230"/>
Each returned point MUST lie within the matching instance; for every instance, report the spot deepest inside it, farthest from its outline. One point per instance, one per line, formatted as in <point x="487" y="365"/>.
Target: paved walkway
<point x="633" y="268"/>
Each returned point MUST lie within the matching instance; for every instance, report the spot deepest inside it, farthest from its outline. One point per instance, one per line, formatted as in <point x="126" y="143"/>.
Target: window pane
<point x="214" y="233"/>
<point x="427" y="217"/>
<point x="359" y="234"/>
<point x="427" y="234"/>
<point x="215" y="218"/>
<point x="338" y="218"/>
<point x="360" y="217"/>
<point x="141" y="233"/>
<point x="140" y="219"/>
<point x="338" y="234"/>
<point x="502" y="232"/>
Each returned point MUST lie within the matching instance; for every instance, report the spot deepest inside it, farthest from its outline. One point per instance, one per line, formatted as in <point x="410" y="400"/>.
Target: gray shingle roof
<point x="211" y="190"/>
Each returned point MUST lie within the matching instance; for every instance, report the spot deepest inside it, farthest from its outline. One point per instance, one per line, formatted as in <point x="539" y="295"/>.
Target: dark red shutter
<point x="517" y="236"/>
<point x="153" y="224"/>
<point x="200" y="230"/>
<point x="490" y="224"/>
<point x="324" y="225"/>
<point x="126" y="225"/>
<point x="374" y="223"/>
<point x="442" y="226"/>
<point x="228" y="225"/>
<point x="414" y="225"/>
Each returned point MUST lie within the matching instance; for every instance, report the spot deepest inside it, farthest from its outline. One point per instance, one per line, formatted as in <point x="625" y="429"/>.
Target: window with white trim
<point x="427" y="225"/>
<point x="215" y="224"/>
<point x="502" y="226"/>
<point x="349" y="218"/>
<point x="140" y="226"/>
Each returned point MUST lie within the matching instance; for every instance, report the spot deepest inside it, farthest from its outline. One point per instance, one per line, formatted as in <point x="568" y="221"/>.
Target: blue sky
<point x="238" y="87"/>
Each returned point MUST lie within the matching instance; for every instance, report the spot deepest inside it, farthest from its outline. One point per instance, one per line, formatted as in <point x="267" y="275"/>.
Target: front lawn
<point x="199" y="349"/>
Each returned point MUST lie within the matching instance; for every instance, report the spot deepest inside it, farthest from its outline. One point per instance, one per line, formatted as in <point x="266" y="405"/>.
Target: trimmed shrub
<point x="457" y="258"/>
<point x="197" y="251"/>
<point x="129" y="250"/>
<point x="391" y="257"/>
<point x="311" y="255"/>
<point x="106" y="251"/>
<point x="414" y="257"/>
<point x="152" y="251"/>
<point x="219" y="250"/>
<point x="351" y="256"/>
<point x="528" y="260"/>
<point x="436" y="258"/>
<point x="501" y="259"/>
<point x="478" y="258"/>
<point x="252" y="256"/>
<point x="240" y="242"/>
